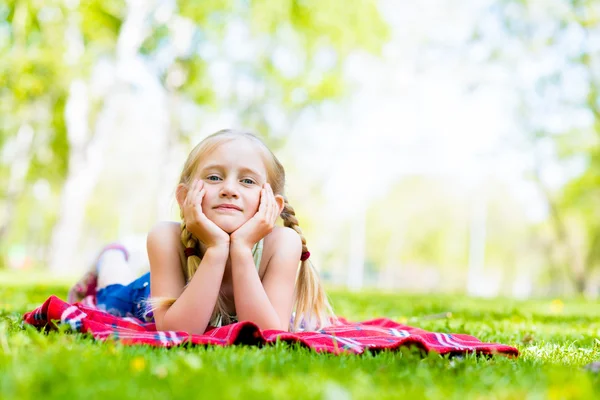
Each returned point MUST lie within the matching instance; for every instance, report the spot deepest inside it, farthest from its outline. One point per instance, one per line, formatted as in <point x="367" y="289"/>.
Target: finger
<point x="187" y="189"/>
<point x="270" y="197"/>
<point x="199" y="198"/>
<point x="269" y="205"/>
<point x="201" y="195"/>
<point x="274" y="208"/>
<point x="263" y="200"/>
<point x="197" y="189"/>
<point x="263" y="194"/>
<point x="191" y="192"/>
<point x="193" y="198"/>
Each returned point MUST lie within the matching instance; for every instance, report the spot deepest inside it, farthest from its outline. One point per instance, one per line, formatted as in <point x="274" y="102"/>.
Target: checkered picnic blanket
<point x="373" y="335"/>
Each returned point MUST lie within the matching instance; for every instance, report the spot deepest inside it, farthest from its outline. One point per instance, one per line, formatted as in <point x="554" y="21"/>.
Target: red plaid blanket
<point x="374" y="335"/>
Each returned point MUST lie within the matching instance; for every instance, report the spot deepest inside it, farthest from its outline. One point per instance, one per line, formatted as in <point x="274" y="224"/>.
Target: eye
<point x="248" y="181"/>
<point x="213" y="178"/>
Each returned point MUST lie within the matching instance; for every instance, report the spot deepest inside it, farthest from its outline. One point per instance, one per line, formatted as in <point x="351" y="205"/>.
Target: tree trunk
<point x="19" y="162"/>
<point x="86" y="158"/>
<point x="356" y="265"/>
<point x="85" y="165"/>
<point x="477" y="248"/>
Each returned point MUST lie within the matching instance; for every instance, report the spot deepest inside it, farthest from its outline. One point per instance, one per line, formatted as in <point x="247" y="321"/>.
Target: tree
<point x="52" y="49"/>
<point x="554" y="69"/>
<point x="36" y="70"/>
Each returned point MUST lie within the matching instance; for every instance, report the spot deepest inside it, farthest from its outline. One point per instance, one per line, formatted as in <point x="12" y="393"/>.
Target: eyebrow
<point x="243" y="169"/>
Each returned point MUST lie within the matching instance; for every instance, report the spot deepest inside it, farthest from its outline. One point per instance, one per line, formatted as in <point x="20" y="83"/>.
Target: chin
<point x="229" y="229"/>
<point x="229" y="226"/>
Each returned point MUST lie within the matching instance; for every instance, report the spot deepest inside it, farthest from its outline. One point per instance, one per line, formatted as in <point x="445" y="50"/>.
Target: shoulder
<point x="164" y="236"/>
<point x="165" y="230"/>
<point x="282" y="241"/>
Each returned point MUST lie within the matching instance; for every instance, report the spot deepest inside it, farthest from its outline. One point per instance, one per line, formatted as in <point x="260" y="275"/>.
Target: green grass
<point x="555" y="340"/>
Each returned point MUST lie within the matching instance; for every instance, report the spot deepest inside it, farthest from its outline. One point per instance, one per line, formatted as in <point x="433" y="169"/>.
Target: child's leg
<point x="114" y="284"/>
<point x="120" y="291"/>
<point x="87" y="285"/>
<point x="113" y="268"/>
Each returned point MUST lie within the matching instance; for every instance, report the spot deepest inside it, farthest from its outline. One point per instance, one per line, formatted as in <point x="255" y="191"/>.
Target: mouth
<point x="227" y="207"/>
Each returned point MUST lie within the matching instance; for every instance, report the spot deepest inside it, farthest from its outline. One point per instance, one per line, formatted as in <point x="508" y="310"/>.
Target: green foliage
<point x="324" y="23"/>
<point x="100" y="24"/>
<point x="45" y="45"/>
<point x="559" y="35"/>
<point x="51" y="161"/>
<point x="555" y="340"/>
<point x="428" y="227"/>
<point x="35" y="72"/>
<point x="40" y="59"/>
<point x="198" y="85"/>
<point x="306" y="29"/>
<point x="424" y="225"/>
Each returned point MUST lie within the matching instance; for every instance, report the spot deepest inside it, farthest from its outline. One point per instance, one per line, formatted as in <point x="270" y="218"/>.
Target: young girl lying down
<point x="226" y="260"/>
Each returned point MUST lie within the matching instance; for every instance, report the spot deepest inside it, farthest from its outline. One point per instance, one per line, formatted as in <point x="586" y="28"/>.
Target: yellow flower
<point x="138" y="364"/>
<point x="557" y="306"/>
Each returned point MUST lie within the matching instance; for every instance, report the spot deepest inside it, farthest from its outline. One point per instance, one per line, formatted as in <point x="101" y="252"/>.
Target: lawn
<point x="556" y="338"/>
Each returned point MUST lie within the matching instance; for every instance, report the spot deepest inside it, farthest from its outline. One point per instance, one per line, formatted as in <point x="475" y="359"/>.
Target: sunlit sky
<point x="413" y="117"/>
<point x="428" y="106"/>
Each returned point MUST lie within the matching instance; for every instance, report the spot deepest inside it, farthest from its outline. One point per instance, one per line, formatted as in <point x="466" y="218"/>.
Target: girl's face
<point x="233" y="176"/>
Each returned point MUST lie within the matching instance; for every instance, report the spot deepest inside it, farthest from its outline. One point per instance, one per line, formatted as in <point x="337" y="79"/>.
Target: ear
<point x="280" y="201"/>
<point x="180" y="194"/>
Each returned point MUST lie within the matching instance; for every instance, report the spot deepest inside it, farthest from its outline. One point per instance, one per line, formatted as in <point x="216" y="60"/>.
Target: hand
<point x="197" y="223"/>
<point x="261" y="224"/>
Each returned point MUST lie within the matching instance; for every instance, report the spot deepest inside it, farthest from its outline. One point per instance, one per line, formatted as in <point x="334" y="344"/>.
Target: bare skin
<point x="229" y="207"/>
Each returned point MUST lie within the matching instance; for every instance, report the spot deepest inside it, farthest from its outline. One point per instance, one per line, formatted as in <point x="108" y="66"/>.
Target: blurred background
<point x="430" y="146"/>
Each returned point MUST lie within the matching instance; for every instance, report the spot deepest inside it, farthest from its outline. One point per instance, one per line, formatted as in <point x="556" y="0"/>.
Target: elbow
<point x="171" y="322"/>
<point x="284" y="326"/>
<point x="163" y="324"/>
<point x="274" y="325"/>
<point x="163" y="318"/>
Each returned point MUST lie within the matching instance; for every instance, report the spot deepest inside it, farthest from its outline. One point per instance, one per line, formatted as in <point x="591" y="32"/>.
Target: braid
<point x="311" y="303"/>
<point x="193" y="261"/>
<point x="288" y="215"/>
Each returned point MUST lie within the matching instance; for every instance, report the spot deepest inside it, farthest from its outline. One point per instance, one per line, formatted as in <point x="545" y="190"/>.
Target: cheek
<point x="209" y="197"/>
<point x="254" y="202"/>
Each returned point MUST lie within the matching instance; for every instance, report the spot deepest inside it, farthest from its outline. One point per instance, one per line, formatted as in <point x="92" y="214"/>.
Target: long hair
<point x="312" y="308"/>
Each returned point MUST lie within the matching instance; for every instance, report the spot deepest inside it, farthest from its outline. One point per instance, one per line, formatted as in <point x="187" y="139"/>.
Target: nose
<point x="228" y="189"/>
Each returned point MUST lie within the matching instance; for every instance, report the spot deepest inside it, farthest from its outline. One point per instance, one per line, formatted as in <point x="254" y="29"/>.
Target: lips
<point x="228" y="207"/>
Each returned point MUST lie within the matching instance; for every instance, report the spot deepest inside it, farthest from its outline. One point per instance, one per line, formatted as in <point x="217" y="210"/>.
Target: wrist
<point x="239" y="249"/>
<point x="218" y="250"/>
<point x="239" y="242"/>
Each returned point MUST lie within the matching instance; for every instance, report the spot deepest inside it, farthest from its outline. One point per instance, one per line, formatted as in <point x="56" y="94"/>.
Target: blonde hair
<point x="312" y="308"/>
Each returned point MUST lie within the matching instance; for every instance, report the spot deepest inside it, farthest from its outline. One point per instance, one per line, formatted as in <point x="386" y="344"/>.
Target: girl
<point x="226" y="261"/>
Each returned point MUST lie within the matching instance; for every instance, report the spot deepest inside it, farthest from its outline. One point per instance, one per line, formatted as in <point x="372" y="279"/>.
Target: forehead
<point x="235" y="154"/>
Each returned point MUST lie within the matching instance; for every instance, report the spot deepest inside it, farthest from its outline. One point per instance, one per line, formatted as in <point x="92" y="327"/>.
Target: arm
<point x="268" y="303"/>
<point x="193" y="308"/>
<point x="195" y="302"/>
